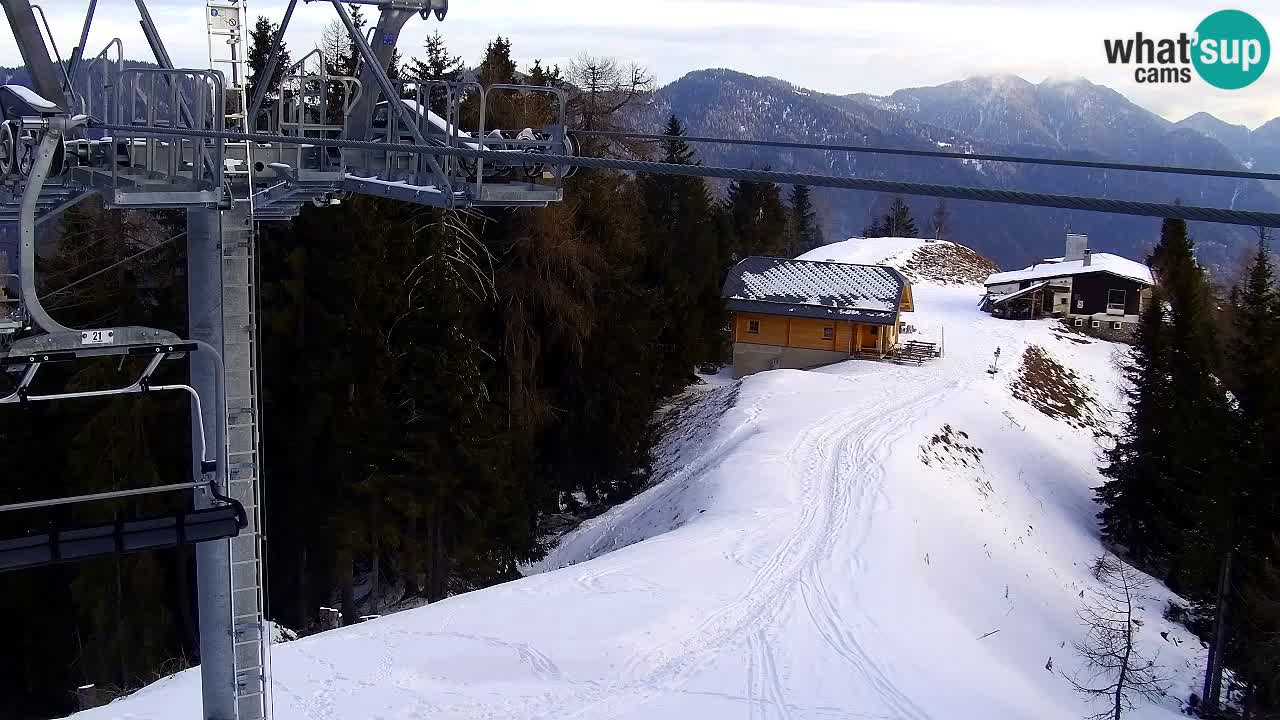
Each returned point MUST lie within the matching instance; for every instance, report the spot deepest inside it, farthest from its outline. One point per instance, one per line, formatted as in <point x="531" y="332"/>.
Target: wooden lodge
<point x="802" y="314"/>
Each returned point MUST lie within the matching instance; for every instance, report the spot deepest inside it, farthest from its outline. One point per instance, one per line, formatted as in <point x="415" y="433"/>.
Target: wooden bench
<point x="915" y="351"/>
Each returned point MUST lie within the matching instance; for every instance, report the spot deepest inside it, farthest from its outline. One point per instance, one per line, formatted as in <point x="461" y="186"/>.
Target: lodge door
<point x="868" y="337"/>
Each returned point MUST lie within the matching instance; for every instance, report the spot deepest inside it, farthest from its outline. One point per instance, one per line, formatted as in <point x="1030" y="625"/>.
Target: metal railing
<point x="180" y="99"/>
<point x="314" y="105"/>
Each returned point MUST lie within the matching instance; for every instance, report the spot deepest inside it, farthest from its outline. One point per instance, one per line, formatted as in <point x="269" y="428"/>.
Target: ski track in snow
<point x="839" y="460"/>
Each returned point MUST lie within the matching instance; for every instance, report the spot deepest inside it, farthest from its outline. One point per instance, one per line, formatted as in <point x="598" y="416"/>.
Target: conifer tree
<point x="1168" y="496"/>
<point x="1259" y="658"/>
<point x="438" y="65"/>
<point x="1136" y="465"/>
<point x="803" y="233"/>
<point x="757" y="219"/>
<point x="898" y="221"/>
<point x="1254" y="365"/>
<point x="260" y="40"/>
<point x="683" y="264"/>
<point x="1254" y="360"/>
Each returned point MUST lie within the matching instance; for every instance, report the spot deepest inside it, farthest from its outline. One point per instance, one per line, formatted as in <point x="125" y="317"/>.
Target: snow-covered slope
<point x="864" y="541"/>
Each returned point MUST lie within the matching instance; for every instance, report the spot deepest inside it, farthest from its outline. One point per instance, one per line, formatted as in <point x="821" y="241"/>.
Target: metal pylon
<point x="240" y="352"/>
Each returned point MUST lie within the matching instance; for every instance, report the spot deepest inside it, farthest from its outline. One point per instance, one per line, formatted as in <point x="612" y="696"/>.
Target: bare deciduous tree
<point x="600" y="89"/>
<point x="1115" y="670"/>
<point x="940" y="221"/>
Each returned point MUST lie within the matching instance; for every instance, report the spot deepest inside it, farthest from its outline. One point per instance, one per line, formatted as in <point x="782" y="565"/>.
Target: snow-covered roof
<point x="805" y="288"/>
<point x="1101" y="262"/>
<point x="30" y="97"/>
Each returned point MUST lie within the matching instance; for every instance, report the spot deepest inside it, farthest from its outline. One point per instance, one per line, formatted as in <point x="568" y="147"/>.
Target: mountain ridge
<point x="1060" y="118"/>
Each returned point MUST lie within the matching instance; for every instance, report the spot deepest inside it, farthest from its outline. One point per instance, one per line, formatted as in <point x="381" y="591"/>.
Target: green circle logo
<point x="1232" y="49"/>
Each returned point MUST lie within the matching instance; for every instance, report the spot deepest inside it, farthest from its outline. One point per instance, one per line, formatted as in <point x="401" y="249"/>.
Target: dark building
<point x="1097" y="292"/>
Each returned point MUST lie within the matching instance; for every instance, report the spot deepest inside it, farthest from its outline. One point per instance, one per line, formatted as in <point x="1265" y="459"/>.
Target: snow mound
<point x="921" y="260"/>
<point x="863" y="541"/>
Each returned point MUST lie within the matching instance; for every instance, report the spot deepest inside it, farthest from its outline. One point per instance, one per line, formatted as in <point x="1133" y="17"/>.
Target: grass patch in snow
<point x="1055" y="390"/>
<point x="950" y="448"/>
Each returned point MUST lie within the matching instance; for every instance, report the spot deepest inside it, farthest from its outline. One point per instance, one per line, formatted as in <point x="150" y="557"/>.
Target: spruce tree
<point x="757" y="218"/>
<point x="1136" y="465"/>
<point x="1254" y="361"/>
<point x="898" y="221"/>
<point x="683" y="264"/>
<point x="438" y="65"/>
<point x="260" y="40"/>
<point x="803" y="233"/>
<point x="1254" y="364"/>
<point x="1168" y="498"/>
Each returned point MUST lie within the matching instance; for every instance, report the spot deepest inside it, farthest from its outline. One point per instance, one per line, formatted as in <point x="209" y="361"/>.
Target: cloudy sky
<point x="839" y="46"/>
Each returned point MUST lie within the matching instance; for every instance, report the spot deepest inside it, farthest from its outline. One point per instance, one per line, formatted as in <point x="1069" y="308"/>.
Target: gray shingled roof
<point x="805" y="288"/>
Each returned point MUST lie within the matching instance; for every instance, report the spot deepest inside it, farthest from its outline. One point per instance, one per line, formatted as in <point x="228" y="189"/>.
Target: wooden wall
<point x="801" y="332"/>
<point x="773" y="329"/>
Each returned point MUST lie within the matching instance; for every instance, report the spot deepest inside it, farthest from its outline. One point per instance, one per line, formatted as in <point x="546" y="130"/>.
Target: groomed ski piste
<point x="866" y="540"/>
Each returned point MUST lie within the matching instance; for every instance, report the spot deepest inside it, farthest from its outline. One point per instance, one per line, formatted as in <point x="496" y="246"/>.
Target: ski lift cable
<point x="112" y="266"/>
<point x="1021" y="159"/>
<point x="1253" y="218"/>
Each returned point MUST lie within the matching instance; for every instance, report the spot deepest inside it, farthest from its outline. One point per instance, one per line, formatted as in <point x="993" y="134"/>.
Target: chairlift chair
<point x="52" y="342"/>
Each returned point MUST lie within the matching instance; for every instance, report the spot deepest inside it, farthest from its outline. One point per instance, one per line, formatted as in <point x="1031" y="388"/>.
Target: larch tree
<point x="1116" y="673"/>
<point x="599" y="88"/>
<point x="940" y="221"/>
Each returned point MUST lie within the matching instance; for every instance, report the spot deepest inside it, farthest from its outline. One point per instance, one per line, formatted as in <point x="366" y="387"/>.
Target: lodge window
<point x="1115" y="299"/>
<point x="753" y="327"/>
<point x="1096" y="324"/>
<point x="1116" y="325"/>
<point x="1079" y="322"/>
<point x="1079" y="303"/>
<point x="828" y="333"/>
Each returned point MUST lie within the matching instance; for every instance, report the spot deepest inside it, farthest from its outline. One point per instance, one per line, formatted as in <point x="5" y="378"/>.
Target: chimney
<point x="1076" y="244"/>
<point x="1088" y="257"/>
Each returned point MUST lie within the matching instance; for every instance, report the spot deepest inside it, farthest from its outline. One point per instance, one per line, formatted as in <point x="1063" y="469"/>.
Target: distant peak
<point x="1202" y="119"/>
<point x="1076" y="80"/>
<point x="998" y="79"/>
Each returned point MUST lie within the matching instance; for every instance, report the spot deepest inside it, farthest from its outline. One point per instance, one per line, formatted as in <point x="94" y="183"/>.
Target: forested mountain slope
<point x="1000" y="115"/>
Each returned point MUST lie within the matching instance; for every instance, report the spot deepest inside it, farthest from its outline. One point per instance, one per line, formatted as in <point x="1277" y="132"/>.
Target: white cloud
<point x="830" y="45"/>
